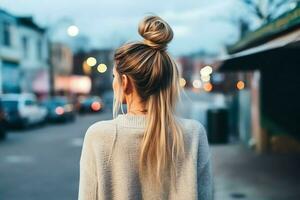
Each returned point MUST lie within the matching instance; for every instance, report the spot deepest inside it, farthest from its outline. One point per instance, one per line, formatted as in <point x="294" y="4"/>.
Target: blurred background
<point x="239" y="62"/>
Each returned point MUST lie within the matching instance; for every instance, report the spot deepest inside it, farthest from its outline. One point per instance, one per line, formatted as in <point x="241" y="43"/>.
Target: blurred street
<point x="43" y="163"/>
<point x="238" y="70"/>
<point x="241" y="173"/>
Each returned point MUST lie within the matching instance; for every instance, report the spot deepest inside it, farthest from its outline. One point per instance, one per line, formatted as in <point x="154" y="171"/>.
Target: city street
<point x="43" y="162"/>
<point x="240" y="173"/>
<point x="235" y="62"/>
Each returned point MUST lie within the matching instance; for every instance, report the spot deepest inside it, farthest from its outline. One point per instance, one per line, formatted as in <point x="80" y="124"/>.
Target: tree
<point x="266" y="10"/>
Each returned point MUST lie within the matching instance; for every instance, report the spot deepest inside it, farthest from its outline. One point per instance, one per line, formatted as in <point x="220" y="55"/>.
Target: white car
<point x="23" y="109"/>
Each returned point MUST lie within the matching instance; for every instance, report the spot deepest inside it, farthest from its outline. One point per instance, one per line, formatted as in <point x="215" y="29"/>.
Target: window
<point x="10" y="77"/>
<point x="6" y="34"/>
<point x="29" y="102"/>
<point x="25" y="46"/>
<point x="39" y="49"/>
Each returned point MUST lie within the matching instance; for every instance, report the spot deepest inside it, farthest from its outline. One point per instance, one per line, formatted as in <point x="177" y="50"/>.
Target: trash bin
<point x="217" y="125"/>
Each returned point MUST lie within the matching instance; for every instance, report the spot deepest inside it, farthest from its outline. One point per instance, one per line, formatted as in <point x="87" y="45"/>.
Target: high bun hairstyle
<point x="156" y="79"/>
<point x="156" y="32"/>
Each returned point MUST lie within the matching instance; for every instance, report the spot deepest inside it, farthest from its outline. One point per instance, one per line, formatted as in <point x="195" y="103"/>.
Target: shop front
<point x="272" y="56"/>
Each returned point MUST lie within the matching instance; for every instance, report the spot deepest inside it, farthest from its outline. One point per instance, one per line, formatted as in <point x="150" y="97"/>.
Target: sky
<point x="199" y="25"/>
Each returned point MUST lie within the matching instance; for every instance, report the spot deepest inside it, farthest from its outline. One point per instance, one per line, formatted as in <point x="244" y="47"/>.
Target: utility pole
<point x="72" y="31"/>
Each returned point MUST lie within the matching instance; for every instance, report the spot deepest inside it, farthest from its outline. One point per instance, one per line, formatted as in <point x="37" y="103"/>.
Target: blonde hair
<point x="156" y="79"/>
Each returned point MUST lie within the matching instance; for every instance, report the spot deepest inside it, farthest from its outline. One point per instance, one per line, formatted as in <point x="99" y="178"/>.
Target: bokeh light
<point x="205" y="78"/>
<point x="240" y="85"/>
<point x="102" y="68"/>
<point x="96" y="106"/>
<point x="91" y="61"/>
<point x="59" y="110"/>
<point x="207" y="87"/>
<point x="182" y="82"/>
<point x="73" y="30"/>
<point x="197" y="84"/>
<point x="206" y="71"/>
<point x="86" y="68"/>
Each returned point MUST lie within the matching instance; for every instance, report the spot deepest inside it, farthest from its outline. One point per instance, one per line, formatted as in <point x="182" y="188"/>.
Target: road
<point x="42" y="163"/>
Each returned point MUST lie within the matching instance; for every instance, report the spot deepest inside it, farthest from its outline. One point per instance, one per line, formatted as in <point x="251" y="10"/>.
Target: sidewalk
<point x="240" y="173"/>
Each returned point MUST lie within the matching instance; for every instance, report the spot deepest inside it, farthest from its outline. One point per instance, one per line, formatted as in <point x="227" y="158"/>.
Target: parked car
<point x="2" y="123"/>
<point x="59" y="109"/>
<point x="23" y="109"/>
<point x="90" y="104"/>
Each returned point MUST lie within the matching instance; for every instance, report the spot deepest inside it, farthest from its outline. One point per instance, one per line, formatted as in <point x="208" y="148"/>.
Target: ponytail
<point x="162" y="144"/>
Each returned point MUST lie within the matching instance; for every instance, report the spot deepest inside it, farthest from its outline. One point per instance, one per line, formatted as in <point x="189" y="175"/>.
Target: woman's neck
<point x="136" y="108"/>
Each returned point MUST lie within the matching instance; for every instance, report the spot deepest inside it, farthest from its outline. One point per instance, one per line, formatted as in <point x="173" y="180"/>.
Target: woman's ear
<point x="126" y="84"/>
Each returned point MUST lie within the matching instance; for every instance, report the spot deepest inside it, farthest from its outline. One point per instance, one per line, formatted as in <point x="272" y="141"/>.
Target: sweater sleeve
<point x="204" y="169"/>
<point x="88" y="173"/>
<point x="205" y="182"/>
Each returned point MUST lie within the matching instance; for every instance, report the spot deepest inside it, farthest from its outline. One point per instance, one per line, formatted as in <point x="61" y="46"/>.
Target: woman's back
<point x="149" y="153"/>
<point x="109" y="165"/>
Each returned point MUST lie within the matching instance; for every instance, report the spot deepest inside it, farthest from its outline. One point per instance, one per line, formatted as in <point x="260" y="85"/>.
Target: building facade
<point x="10" y="54"/>
<point x="23" y="56"/>
<point x="62" y="65"/>
<point x="34" y="67"/>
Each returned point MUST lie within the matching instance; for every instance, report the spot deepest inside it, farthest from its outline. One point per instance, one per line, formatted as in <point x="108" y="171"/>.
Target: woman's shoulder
<point x="195" y="131"/>
<point x="192" y="125"/>
<point x="104" y="128"/>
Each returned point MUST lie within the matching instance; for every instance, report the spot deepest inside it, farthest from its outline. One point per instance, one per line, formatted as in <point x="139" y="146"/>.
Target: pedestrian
<point x="148" y="152"/>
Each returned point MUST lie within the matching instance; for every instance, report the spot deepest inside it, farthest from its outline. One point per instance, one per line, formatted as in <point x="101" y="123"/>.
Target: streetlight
<point x="73" y="31"/>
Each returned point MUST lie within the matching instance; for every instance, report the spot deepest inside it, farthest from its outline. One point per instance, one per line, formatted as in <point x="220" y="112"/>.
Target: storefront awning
<point x="292" y="38"/>
<point x="253" y="55"/>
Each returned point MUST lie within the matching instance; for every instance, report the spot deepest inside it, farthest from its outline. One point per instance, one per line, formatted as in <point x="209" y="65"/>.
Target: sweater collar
<point x="134" y="121"/>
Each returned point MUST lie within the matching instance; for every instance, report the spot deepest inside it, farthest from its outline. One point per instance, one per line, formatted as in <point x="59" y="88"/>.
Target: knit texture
<point x="109" y="163"/>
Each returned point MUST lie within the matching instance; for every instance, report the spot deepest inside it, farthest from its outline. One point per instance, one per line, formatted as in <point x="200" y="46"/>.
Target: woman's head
<point x="152" y="73"/>
<point x="146" y="63"/>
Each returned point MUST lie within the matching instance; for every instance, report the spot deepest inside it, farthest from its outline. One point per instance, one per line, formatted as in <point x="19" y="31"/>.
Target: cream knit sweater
<point x="109" y="163"/>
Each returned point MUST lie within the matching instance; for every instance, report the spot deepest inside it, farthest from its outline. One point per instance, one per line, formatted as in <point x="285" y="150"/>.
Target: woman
<point x="147" y="153"/>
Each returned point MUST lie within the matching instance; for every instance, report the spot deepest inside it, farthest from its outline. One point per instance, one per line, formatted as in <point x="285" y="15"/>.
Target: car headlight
<point x="59" y="110"/>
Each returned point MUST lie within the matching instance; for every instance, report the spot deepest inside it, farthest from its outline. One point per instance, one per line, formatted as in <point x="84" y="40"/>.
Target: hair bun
<point x="156" y="32"/>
